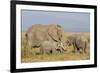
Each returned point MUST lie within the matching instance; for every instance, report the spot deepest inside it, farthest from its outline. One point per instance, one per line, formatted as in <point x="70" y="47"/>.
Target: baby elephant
<point x="49" y="47"/>
<point x="79" y="42"/>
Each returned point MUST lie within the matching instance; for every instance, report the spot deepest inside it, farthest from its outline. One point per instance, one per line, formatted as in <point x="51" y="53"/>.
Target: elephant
<point x="38" y="33"/>
<point x="49" y="47"/>
<point x="78" y="41"/>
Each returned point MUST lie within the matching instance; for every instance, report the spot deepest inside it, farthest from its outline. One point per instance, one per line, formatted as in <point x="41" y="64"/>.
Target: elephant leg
<point x="42" y="51"/>
<point x="48" y="52"/>
<point x="74" y="50"/>
<point x="84" y="50"/>
<point x="54" y="51"/>
<point x="61" y="50"/>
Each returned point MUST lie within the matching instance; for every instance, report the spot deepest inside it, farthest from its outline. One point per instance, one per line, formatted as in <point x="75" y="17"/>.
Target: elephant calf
<point x="79" y="42"/>
<point x="48" y="47"/>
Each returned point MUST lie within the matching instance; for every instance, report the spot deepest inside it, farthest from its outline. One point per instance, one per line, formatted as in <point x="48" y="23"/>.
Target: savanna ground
<point x="68" y="55"/>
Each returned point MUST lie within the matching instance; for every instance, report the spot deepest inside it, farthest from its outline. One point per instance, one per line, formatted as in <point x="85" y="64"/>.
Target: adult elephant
<point x="78" y="41"/>
<point x="38" y="33"/>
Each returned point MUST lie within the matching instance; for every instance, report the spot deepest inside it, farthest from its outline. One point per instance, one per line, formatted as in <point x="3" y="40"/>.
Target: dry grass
<point x="68" y="55"/>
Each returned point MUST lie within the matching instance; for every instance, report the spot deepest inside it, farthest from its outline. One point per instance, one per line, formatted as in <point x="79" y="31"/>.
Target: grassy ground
<point x="68" y="55"/>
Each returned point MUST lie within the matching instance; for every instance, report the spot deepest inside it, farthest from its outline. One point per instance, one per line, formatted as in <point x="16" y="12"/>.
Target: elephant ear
<point x="52" y="32"/>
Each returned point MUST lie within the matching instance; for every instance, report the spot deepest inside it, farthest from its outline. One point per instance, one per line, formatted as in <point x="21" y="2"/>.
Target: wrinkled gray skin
<point x="38" y="33"/>
<point x="49" y="47"/>
<point x="79" y="42"/>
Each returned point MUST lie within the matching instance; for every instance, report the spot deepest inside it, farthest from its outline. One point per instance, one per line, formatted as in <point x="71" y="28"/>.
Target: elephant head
<point x="69" y="41"/>
<point x="61" y="47"/>
<point x="55" y="32"/>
